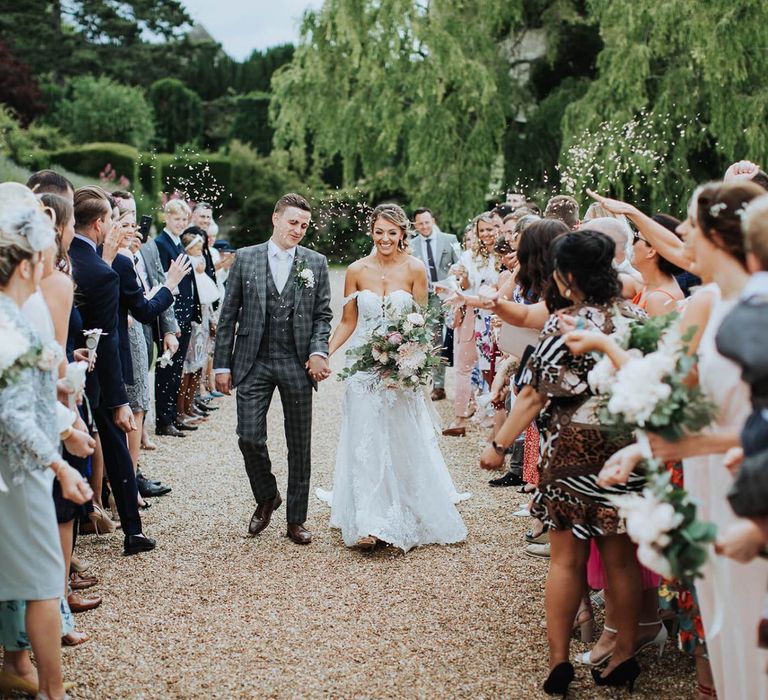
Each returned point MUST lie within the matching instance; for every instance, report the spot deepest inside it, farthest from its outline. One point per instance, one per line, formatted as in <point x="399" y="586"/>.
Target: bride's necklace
<point x="384" y="272"/>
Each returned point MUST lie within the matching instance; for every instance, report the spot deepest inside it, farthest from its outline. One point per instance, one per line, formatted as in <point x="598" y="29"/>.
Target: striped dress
<point x="574" y="445"/>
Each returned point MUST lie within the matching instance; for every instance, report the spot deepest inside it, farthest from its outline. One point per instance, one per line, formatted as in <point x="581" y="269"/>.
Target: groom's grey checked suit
<point x="264" y="337"/>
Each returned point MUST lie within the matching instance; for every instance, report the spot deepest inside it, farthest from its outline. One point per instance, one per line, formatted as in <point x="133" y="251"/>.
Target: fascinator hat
<point x="23" y="220"/>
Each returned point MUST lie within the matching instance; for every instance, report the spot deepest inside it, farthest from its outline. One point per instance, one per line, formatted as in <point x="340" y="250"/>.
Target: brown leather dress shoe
<point x="262" y="515"/>
<point x="79" y="603"/>
<point x="79" y="582"/>
<point x="438" y="394"/>
<point x="455" y="432"/>
<point x="298" y="533"/>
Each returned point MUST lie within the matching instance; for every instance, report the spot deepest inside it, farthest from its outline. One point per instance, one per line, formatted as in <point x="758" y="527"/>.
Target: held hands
<point x="318" y="368"/>
<point x="619" y="466"/>
<point x="490" y="459"/>
<point x="177" y="271"/>
<point x="73" y="487"/>
<point x="123" y="418"/>
<point x="224" y="382"/>
<point x="80" y="443"/>
<point x="170" y="343"/>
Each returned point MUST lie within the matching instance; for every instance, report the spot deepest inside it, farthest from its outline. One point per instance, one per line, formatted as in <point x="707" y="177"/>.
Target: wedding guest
<point x="201" y="339"/>
<point x="139" y="307"/>
<point x="685" y="279"/>
<point x="52" y="182"/>
<point x="186" y="308"/>
<point x="714" y="245"/>
<point x="99" y="303"/>
<point x="569" y="500"/>
<point x="438" y="251"/>
<point x="33" y="566"/>
<point x="564" y="208"/>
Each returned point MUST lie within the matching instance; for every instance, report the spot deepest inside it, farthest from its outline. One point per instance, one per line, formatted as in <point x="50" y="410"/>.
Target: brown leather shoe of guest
<point x="438" y="394"/>
<point x="79" y="603"/>
<point x="79" y="582"/>
<point x="262" y="515"/>
<point x="455" y="432"/>
<point x="298" y="533"/>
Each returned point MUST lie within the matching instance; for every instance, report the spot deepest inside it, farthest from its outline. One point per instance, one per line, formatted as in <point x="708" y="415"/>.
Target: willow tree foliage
<point x="685" y="82"/>
<point x="411" y="97"/>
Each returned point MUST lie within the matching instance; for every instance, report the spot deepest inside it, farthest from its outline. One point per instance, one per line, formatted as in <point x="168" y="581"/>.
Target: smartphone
<point x="143" y="229"/>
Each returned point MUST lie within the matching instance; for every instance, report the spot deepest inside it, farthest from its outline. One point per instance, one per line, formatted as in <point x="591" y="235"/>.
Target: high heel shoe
<point x="659" y="640"/>
<point x="559" y="679"/>
<point x="625" y="673"/>
<point x="100" y="522"/>
<point x="586" y="658"/>
<point x="585" y="624"/>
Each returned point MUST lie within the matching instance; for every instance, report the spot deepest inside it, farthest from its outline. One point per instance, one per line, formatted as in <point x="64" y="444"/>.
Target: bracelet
<point x="64" y="435"/>
<point x="501" y="451"/>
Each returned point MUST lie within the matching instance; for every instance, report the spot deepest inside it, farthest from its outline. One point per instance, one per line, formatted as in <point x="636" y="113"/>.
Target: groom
<point x="273" y="333"/>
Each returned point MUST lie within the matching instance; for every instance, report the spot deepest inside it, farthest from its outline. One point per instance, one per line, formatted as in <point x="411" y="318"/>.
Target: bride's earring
<point x="567" y="293"/>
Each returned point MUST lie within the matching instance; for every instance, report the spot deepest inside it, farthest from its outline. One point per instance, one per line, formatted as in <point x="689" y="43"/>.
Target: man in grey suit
<point x="273" y="334"/>
<point x="438" y="251"/>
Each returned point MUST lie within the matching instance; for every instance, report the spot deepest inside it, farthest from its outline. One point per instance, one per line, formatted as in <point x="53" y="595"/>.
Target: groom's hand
<point x="318" y="368"/>
<point x="224" y="382"/>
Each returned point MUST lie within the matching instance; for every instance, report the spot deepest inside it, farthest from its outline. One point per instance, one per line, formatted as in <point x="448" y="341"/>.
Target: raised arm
<point x="348" y="323"/>
<point x="668" y="245"/>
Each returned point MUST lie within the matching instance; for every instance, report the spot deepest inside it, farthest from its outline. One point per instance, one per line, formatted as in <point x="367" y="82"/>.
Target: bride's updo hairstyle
<point x="24" y="228"/>
<point x="586" y="256"/>
<point x="719" y="210"/>
<point x="395" y="215"/>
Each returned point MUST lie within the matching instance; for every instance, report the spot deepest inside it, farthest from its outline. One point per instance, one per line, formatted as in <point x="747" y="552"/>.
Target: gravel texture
<point x="213" y="614"/>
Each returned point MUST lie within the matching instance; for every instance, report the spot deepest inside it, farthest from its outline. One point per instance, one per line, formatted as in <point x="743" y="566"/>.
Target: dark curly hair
<point x="587" y="256"/>
<point x="534" y="256"/>
<point x="719" y="206"/>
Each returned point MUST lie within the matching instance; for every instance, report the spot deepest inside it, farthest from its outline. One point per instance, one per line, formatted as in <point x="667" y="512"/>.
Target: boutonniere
<point x="304" y="276"/>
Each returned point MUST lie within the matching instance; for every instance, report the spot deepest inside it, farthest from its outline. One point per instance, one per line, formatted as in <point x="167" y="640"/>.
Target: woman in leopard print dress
<point x="574" y="449"/>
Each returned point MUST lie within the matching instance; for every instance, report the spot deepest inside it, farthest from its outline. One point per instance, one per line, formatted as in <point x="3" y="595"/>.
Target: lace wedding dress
<point x="390" y="480"/>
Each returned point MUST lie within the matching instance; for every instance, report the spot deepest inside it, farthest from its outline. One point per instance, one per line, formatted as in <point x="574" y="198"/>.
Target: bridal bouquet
<point x="650" y="392"/>
<point x="17" y="353"/>
<point x="400" y="353"/>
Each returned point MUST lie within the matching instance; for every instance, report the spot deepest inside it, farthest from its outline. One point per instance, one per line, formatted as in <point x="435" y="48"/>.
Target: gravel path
<point x="213" y="614"/>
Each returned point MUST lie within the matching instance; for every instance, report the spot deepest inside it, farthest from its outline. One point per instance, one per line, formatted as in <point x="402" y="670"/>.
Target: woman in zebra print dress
<point x="574" y="449"/>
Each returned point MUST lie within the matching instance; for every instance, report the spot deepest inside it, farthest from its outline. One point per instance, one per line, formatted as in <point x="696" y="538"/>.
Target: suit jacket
<point x="242" y="319"/>
<point x="132" y="300"/>
<point x="98" y="300"/>
<point x="166" y="321"/>
<point x="186" y="305"/>
<point x="444" y="250"/>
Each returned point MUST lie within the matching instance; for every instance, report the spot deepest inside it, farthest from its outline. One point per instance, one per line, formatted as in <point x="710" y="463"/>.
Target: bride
<point x="391" y="483"/>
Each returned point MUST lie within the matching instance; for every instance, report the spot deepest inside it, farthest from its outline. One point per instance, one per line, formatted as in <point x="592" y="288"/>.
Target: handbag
<point x="514" y="340"/>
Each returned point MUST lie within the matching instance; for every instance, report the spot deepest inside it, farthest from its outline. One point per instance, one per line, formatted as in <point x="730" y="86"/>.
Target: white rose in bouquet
<point x="410" y="357"/>
<point x="651" y="558"/>
<point x="14" y="345"/>
<point x="415" y="319"/>
<point x="602" y="375"/>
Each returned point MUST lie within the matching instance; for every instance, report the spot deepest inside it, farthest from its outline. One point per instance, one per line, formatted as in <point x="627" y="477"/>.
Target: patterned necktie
<point x="431" y="260"/>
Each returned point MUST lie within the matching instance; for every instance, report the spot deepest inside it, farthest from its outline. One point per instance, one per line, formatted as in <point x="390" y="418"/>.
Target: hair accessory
<point x="30" y="223"/>
<point x="195" y="241"/>
<point x="715" y="209"/>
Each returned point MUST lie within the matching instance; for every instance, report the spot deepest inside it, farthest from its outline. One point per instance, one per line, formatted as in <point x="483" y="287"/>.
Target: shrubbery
<point x="99" y="109"/>
<point x="92" y="158"/>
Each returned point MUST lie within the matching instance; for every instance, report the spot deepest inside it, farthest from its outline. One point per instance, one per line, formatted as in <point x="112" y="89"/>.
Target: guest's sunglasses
<point x="637" y="237"/>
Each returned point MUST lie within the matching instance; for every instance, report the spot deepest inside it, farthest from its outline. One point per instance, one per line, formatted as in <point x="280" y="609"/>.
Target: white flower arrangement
<point x="304" y="276"/>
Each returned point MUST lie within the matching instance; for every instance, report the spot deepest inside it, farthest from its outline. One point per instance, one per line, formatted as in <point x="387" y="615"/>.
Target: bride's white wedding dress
<point x="391" y="480"/>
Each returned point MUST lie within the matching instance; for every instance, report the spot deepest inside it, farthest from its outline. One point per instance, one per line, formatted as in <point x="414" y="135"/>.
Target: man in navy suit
<point x="98" y="289"/>
<point x="186" y="308"/>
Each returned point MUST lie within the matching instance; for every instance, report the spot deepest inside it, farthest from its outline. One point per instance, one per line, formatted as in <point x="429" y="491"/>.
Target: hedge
<point x="201" y="176"/>
<point x="90" y="159"/>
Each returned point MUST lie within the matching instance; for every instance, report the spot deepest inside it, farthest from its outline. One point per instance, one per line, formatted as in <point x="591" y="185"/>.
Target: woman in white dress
<point x="391" y="483"/>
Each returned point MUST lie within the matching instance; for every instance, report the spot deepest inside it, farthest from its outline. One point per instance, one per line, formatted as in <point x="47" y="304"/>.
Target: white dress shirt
<point x="280" y="263"/>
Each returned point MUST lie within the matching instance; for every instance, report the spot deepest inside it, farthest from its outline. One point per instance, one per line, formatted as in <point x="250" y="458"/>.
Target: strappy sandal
<point x="75" y="639"/>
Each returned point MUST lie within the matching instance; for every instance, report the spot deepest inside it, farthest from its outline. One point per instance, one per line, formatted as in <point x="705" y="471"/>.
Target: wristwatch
<point x="501" y="451"/>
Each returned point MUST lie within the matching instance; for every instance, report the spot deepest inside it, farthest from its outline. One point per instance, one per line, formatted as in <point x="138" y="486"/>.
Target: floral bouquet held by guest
<point x="649" y="392"/>
<point x="400" y="353"/>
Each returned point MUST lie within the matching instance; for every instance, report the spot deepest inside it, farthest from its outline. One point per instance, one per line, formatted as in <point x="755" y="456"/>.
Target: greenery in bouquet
<point x="400" y="353"/>
<point x="663" y="523"/>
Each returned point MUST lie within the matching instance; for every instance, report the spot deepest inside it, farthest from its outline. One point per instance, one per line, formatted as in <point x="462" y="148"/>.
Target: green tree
<point x="681" y="91"/>
<point x="178" y="113"/>
<point x="413" y="96"/>
<point x="99" y="109"/>
<point x="251" y="122"/>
